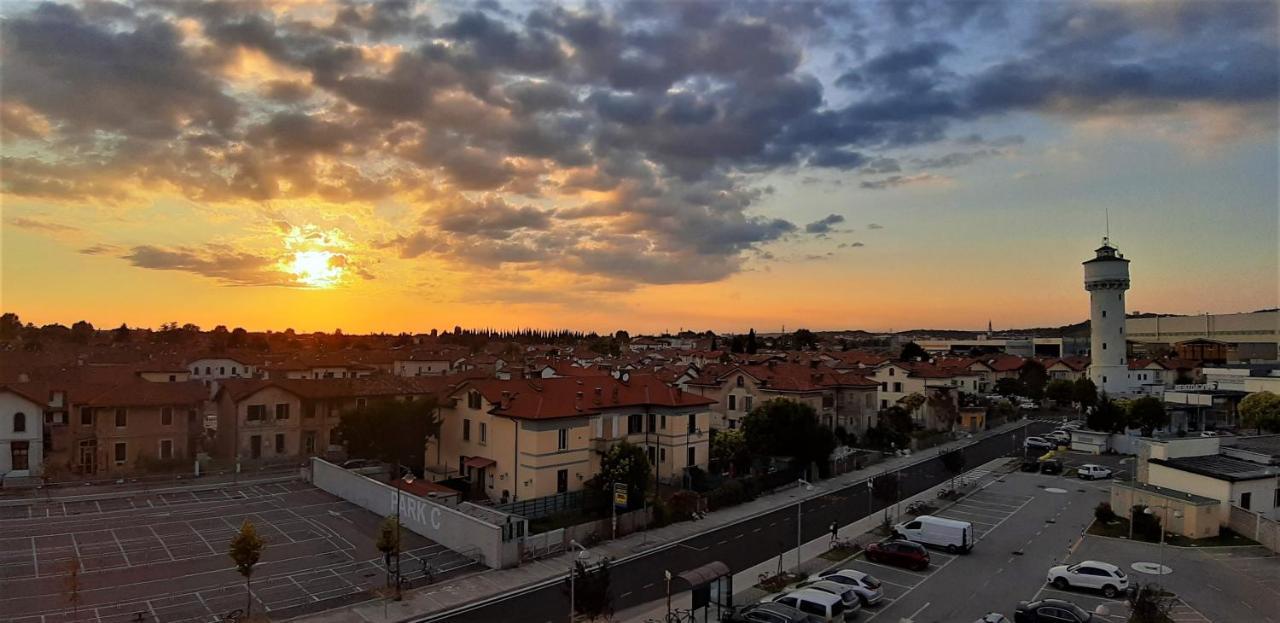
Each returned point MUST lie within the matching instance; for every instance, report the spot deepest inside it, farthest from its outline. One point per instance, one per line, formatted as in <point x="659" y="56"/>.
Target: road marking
<point x="917" y="612"/>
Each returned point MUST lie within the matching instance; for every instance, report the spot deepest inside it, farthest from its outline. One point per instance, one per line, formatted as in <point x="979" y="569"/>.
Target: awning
<point x="479" y="462"/>
<point x="705" y="574"/>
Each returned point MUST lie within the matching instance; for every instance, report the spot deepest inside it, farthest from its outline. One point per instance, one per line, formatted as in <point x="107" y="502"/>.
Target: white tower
<point x="1106" y="277"/>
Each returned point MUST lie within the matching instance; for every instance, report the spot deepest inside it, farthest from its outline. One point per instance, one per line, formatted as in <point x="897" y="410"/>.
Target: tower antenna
<point x="1108" y="216"/>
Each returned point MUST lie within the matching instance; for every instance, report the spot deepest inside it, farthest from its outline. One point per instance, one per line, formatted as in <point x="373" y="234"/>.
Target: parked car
<point x="1052" y="611"/>
<point x="1039" y="443"/>
<point x="869" y="589"/>
<point x="1030" y="465"/>
<point x="1209" y="433"/>
<point x="846" y="594"/>
<point x="899" y="553"/>
<point x="1051" y="466"/>
<point x="950" y="534"/>
<point x="1073" y="425"/>
<point x="1090" y="574"/>
<point x="769" y="612"/>
<point x="1060" y="437"/>
<point x="1090" y="471"/>
<point x="821" y="604"/>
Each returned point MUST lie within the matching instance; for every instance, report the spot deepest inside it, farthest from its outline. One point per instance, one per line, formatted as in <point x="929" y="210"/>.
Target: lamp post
<point x="408" y="480"/>
<point x="1163" y="527"/>
<point x="583" y="554"/>
<point x="799" y="516"/>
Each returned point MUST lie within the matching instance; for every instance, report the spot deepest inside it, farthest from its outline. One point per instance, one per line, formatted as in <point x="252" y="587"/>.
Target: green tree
<point x="783" y="427"/>
<point x="1060" y="391"/>
<point x="1147" y="413"/>
<point x="1086" y="393"/>
<point x="246" y="550"/>
<point x="1008" y="387"/>
<point x="391" y="430"/>
<point x="804" y="338"/>
<point x="729" y="448"/>
<point x="1033" y="377"/>
<point x="592" y="597"/>
<point x="10" y="326"/>
<point x="1150" y="604"/>
<point x="121" y="334"/>
<point x="954" y="462"/>
<point x="1106" y="416"/>
<point x="81" y="332"/>
<point x="912" y="402"/>
<point x="751" y="345"/>
<point x="913" y="352"/>
<point x="388" y="542"/>
<point x="625" y="463"/>
<point x="1261" y="410"/>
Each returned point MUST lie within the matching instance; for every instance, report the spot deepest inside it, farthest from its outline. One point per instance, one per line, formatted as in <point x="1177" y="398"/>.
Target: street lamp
<point x="799" y="503"/>
<point x="408" y="480"/>
<point x="583" y="554"/>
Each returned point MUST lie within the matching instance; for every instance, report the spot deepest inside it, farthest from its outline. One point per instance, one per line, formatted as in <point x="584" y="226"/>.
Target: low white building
<point x="212" y="368"/>
<point x="21" y="432"/>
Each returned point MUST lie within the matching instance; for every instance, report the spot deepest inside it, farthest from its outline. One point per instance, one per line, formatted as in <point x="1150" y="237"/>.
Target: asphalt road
<point x="742" y="545"/>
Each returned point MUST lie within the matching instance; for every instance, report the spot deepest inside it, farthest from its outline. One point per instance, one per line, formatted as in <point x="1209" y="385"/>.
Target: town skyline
<point x="404" y="165"/>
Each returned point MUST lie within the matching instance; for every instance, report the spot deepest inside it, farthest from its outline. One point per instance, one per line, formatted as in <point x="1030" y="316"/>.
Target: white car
<point x="1039" y="443"/>
<point x="1091" y="574"/>
<point x="1093" y="472"/>
<point x="866" y="586"/>
<point x="849" y="597"/>
<point x="1062" y="437"/>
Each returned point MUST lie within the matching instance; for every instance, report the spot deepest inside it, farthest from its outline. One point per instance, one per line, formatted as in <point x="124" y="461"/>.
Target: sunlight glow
<point x="317" y="269"/>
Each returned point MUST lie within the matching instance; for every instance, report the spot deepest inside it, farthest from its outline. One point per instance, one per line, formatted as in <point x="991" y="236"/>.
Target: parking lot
<point x="1026" y="523"/>
<point x="164" y="555"/>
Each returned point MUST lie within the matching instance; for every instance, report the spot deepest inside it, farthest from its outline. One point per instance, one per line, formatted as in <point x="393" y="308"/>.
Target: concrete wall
<point x="1187" y="482"/>
<point x="447" y="526"/>
<point x="1262" y="530"/>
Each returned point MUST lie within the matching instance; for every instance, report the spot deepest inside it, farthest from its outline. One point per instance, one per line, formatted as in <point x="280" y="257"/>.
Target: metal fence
<point x="548" y="505"/>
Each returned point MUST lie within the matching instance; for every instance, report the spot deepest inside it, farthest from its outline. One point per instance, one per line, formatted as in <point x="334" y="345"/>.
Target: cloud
<point x="41" y="225"/>
<point x="851" y="245"/>
<point x="895" y="181"/>
<point x="101" y="249"/>
<point x="214" y="261"/>
<point x="875" y="226"/>
<point x="823" y="225"/>
<point x="955" y="159"/>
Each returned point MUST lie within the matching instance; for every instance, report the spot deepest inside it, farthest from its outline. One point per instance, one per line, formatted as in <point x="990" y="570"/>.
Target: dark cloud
<point x="895" y="181"/>
<point x="824" y="224"/>
<point x="491" y="218"/>
<point x="41" y="225"/>
<point x="101" y="249"/>
<point x="955" y="159"/>
<point x="214" y="261"/>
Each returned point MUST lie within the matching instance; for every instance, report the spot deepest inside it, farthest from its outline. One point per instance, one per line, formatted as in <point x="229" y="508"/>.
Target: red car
<point x="900" y="553"/>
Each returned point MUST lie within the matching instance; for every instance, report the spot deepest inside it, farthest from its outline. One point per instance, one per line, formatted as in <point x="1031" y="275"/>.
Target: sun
<point x="317" y="269"/>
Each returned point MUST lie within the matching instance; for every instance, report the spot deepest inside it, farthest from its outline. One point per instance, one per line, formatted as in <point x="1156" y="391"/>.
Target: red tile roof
<point x="147" y="394"/>
<point x="321" y="389"/>
<point x="539" y="399"/>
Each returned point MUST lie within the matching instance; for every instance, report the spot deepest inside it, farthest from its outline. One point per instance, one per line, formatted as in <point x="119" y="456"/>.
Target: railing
<point x="547" y="505"/>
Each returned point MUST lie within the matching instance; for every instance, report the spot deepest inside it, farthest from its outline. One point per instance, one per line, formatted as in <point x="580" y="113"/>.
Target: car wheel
<point x="1109" y="591"/>
<point x="1061" y="583"/>
<point x="952" y="549"/>
<point x="922" y="566"/>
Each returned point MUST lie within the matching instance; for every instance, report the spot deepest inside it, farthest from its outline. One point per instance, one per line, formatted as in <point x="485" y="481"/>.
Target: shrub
<point x="1145" y="527"/>
<point x="1103" y="513"/>
<point x="731" y="493"/>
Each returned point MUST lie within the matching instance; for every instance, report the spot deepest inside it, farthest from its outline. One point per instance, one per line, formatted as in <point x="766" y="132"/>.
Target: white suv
<point x="1093" y="472"/>
<point x="1101" y="576"/>
<point x="867" y="587"/>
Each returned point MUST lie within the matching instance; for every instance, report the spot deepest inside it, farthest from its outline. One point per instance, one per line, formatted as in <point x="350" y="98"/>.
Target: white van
<point x="826" y="606"/>
<point x="949" y="534"/>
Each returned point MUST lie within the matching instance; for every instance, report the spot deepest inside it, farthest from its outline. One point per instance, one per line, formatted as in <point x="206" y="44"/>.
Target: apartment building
<point x="839" y="399"/>
<point x="21" y="431"/>
<point x="527" y="438"/>
<point x="129" y="427"/>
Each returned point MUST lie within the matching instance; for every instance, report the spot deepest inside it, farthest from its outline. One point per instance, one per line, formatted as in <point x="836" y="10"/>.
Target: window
<point x="562" y="481"/>
<point x="693" y="457"/>
<point x="562" y="439"/>
<point x="693" y="423"/>
<point x="1104" y="346"/>
<point x="884" y="386"/>
<point x="173" y="378"/>
<point x="653" y="419"/>
<point x="1246" y="500"/>
<point x="208" y="370"/>
<point x="1104" y="379"/>
<point x="662" y="455"/>
<point x="166" y="416"/>
<point x="360" y="404"/>
<point x="466" y="430"/>
<point x="309" y="441"/>
<point x="828" y="401"/>
<point x="890" y="371"/>
<point x="255" y="446"/>
<point x="473" y="400"/>
<point x="279" y="443"/>
<point x="256" y="413"/>
<point x="733" y="402"/>
<point x="86" y="416"/>
<point x="746" y="400"/>
<point x="1104" y="313"/>
<point x="740" y="381"/>
<point x="222" y="370"/>
<point x="635" y="423"/>
<point x="121" y="453"/>
<point x="19" y="422"/>
<point x="663" y="423"/>
<point x="484" y="432"/>
<point x="282" y="411"/>
<point x="166" y="449"/>
<point x="653" y="454"/>
<point x="897" y="386"/>
<point x="122" y="418"/>
<point x="733" y="424"/>
<point x="884" y="404"/>
<point x="233" y="370"/>
<point x="1275" y="502"/>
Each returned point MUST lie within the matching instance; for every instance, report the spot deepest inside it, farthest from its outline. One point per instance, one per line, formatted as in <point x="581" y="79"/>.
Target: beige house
<point x="529" y="438"/>
<point x="839" y="399"/>
<point x="122" y="428"/>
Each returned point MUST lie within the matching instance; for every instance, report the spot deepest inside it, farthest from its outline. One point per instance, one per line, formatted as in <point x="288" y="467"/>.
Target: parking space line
<point x="910" y="573"/>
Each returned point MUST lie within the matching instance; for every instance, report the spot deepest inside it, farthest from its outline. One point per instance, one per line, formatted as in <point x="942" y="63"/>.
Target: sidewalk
<point x="492" y="585"/>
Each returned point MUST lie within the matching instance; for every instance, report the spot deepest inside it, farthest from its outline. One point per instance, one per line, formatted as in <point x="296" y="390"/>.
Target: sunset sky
<point x="650" y="166"/>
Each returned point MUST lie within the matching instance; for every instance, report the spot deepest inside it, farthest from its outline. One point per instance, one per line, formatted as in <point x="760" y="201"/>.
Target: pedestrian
<point x="835" y="529"/>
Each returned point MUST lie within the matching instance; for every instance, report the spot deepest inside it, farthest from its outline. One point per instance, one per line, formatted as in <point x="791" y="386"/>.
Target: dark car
<point x="1030" y="465"/>
<point x="1051" y="466"/>
<point x="771" y="613"/>
<point x="900" y="553"/>
<point x="1051" y="611"/>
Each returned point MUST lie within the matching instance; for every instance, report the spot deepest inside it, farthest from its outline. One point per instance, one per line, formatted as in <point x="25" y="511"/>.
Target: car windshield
<point x="870" y="582"/>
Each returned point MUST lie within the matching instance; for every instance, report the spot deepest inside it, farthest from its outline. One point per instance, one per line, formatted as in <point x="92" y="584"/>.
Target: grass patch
<point x="837" y="554"/>
<point x="776" y="583"/>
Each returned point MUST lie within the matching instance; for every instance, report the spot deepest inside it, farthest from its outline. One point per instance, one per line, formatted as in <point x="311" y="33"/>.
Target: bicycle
<point x="234" y="616"/>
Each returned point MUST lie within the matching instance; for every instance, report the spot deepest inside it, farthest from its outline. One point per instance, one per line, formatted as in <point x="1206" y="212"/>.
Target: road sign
<point x="620" y="495"/>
